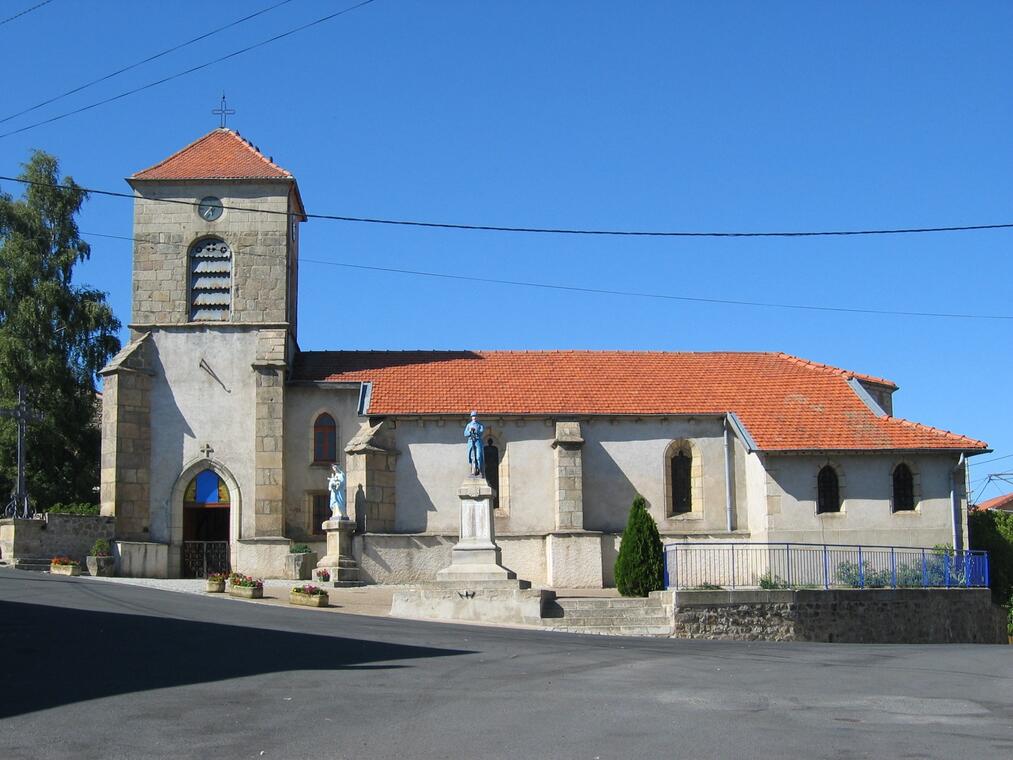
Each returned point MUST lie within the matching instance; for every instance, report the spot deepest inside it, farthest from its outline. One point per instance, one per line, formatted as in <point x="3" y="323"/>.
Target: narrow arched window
<point x="210" y="280"/>
<point x="903" y="488"/>
<point x="491" y="453"/>
<point x="325" y="439"/>
<point x="681" y="465"/>
<point x="828" y="492"/>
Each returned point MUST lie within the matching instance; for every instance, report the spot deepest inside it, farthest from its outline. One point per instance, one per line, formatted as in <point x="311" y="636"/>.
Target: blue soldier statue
<point x="476" y="456"/>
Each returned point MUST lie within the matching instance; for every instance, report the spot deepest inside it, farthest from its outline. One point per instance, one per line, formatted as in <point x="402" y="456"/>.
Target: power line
<point x="26" y="10"/>
<point x="542" y="230"/>
<point x="609" y="292"/>
<point x="141" y="63"/>
<point x="993" y="459"/>
<point x="188" y="71"/>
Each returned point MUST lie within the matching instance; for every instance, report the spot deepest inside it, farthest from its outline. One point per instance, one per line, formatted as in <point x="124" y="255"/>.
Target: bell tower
<point x="213" y="335"/>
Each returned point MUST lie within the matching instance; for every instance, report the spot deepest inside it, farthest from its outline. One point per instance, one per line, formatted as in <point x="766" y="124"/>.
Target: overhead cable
<point x="149" y="59"/>
<point x="191" y="70"/>
<point x="610" y="292"/>
<point x="540" y="230"/>
<point x="26" y="10"/>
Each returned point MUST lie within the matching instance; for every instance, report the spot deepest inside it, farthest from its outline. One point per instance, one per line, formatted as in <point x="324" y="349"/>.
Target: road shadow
<point x="53" y="656"/>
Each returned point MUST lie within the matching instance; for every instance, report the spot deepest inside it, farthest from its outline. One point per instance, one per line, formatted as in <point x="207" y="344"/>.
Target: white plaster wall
<point x="622" y="458"/>
<point x="303" y="404"/>
<point x="190" y="408"/>
<point x="434" y="462"/>
<point x="756" y="496"/>
<point x="866" y="490"/>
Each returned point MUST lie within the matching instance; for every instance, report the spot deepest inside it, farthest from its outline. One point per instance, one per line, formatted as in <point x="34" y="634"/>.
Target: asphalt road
<point x="101" y="670"/>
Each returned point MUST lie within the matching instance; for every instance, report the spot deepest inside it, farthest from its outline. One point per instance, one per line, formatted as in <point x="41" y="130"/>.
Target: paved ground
<point x="108" y="670"/>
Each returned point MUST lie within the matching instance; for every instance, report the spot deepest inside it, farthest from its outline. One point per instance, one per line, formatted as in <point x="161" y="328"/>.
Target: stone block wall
<point x="126" y="439"/>
<point x="53" y="535"/>
<point x="270" y="449"/>
<point x="903" y="616"/>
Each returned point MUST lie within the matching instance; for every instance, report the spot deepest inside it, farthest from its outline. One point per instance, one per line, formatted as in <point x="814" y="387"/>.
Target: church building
<point x="219" y="432"/>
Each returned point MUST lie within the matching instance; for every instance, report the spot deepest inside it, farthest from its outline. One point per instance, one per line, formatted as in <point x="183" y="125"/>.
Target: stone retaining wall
<point x="53" y="534"/>
<point x="909" y="616"/>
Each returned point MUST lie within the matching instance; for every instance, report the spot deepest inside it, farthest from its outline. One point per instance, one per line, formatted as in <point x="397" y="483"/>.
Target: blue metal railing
<point x="786" y="565"/>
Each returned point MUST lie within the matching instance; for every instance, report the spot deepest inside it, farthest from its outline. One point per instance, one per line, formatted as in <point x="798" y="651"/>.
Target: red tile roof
<point x="1004" y="502"/>
<point x="786" y="403"/>
<point x="221" y="154"/>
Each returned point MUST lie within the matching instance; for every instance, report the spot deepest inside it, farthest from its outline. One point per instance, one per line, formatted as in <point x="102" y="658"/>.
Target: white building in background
<point x="219" y="432"/>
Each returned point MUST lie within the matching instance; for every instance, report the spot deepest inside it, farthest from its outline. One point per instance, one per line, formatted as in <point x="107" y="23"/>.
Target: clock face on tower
<point x="210" y="208"/>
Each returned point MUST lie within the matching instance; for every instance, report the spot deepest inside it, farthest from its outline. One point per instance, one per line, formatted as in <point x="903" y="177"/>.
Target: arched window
<point x="210" y="280"/>
<point x="903" y="488"/>
<point x="325" y="440"/>
<point x="681" y="473"/>
<point x="828" y="492"/>
<point x="206" y="490"/>
<point x="491" y="453"/>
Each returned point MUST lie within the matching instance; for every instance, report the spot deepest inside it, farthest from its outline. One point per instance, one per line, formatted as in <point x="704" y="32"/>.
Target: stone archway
<point x="205" y="519"/>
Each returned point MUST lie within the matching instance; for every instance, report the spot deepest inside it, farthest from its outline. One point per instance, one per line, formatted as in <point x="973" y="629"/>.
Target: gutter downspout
<point x="729" y="491"/>
<point x="958" y="528"/>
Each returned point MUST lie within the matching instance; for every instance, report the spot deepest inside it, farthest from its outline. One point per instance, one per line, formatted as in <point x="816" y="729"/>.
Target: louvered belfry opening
<point x="210" y="280"/>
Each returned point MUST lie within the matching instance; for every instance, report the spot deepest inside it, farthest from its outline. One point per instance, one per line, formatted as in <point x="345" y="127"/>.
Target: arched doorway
<point x="206" y="506"/>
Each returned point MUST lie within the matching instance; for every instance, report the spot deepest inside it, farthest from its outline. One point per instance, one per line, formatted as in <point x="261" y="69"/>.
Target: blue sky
<point x="648" y="115"/>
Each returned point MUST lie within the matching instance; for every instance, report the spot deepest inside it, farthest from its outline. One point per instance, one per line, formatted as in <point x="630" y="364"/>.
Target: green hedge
<point x="640" y="565"/>
<point x="79" y="508"/>
<point x="992" y="531"/>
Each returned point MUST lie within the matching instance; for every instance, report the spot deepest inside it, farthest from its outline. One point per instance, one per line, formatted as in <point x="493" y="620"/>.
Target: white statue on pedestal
<point x="336" y="486"/>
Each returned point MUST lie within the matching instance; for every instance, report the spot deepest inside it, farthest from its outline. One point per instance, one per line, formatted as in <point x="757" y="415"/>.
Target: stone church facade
<point x="218" y="431"/>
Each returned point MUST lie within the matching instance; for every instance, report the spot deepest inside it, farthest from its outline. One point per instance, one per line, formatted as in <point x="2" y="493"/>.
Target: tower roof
<point x="220" y="154"/>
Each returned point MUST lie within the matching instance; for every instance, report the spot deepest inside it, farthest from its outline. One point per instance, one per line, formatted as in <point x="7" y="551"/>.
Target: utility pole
<point x="23" y="414"/>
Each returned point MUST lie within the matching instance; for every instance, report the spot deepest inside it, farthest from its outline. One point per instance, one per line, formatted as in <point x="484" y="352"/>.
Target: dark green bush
<point x="299" y="549"/>
<point x="100" y="548"/>
<point x="639" y="567"/>
<point x="771" y="581"/>
<point x="992" y="531"/>
<point x="78" y="508"/>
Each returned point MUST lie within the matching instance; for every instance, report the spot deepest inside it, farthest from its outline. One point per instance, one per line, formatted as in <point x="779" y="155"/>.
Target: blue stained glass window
<point x="207" y="488"/>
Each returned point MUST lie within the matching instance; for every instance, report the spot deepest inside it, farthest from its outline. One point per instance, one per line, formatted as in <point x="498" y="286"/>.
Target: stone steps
<point x="36" y="564"/>
<point x="617" y="630"/>
<point x="609" y="616"/>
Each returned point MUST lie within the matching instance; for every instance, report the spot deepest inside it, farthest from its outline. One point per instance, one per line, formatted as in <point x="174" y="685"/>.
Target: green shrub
<point x="299" y="549"/>
<point x="100" y="548"/>
<point x="78" y="508"/>
<point x="639" y="567"/>
<point x="770" y="581"/>
<point x="992" y="531"/>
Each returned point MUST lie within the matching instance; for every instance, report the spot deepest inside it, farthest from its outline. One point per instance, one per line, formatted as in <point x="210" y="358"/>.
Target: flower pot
<point x="214" y="587"/>
<point x="101" y="566"/>
<point x="65" y="569"/>
<point x="308" y="600"/>
<point x="246" y="592"/>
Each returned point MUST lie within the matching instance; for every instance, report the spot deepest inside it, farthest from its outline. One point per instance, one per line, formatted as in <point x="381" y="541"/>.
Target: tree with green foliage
<point x="992" y="531"/>
<point x="55" y="336"/>
<point x="640" y="565"/>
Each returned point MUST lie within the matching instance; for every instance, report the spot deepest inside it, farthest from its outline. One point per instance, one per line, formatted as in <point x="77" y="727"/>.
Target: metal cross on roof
<point x="22" y="414"/>
<point x="224" y="111"/>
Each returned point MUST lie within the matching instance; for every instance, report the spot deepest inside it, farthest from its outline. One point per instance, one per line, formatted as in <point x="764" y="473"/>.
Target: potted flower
<point x="64" y="566"/>
<point x="100" y="559"/>
<point x="215" y="583"/>
<point x="308" y="596"/>
<point x="246" y="587"/>
<point x="323" y="575"/>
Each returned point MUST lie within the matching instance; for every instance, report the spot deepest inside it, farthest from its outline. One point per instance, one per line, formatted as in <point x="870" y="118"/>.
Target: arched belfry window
<point x="828" y="491"/>
<point x="903" y="488"/>
<point x="210" y="280"/>
<point x="325" y="439"/>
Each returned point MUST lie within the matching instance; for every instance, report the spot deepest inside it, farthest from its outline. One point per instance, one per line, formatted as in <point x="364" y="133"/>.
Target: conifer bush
<point x="639" y="567"/>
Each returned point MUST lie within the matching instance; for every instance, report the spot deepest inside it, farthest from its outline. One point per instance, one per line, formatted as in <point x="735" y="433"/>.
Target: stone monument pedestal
<point x="476" y="557"/>
<point x="475" y="586"/>
<point x="338" y="560"/>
